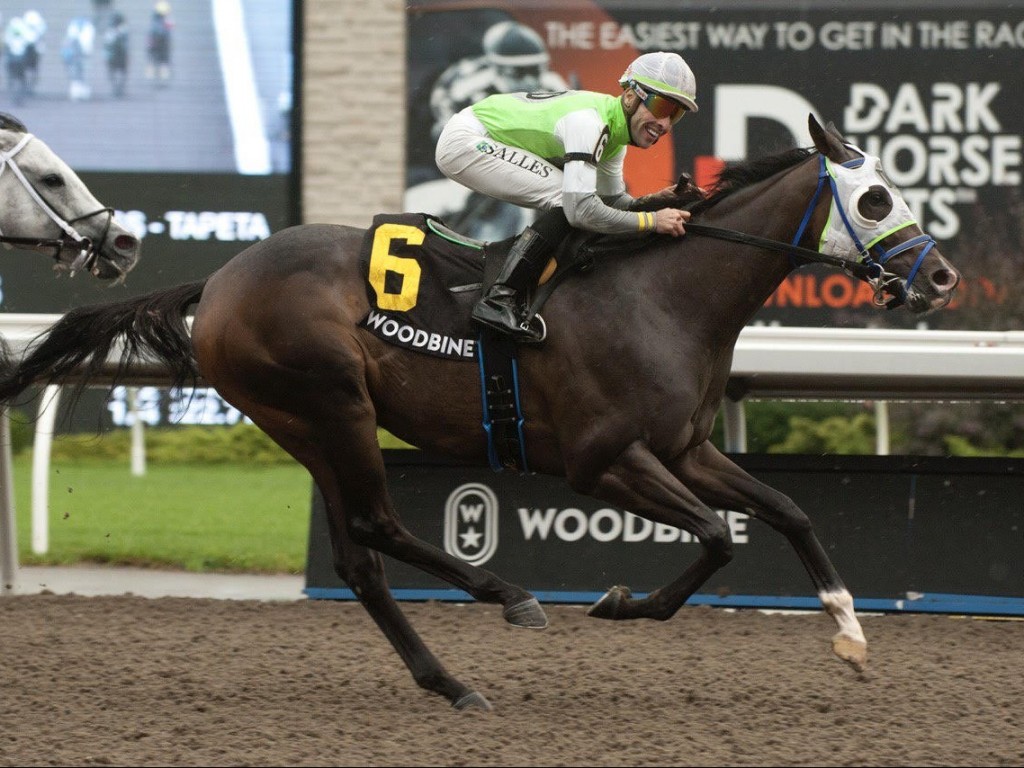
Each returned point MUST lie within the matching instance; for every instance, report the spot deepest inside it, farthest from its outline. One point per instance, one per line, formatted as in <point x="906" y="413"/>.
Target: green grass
<point x="198" y="517"/>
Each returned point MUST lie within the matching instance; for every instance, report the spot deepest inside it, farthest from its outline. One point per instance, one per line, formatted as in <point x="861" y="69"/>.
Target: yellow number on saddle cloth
<point x="383" y="261"/>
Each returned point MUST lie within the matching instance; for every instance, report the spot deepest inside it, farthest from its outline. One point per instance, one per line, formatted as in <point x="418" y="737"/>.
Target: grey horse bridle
<point x="88" y="251"/>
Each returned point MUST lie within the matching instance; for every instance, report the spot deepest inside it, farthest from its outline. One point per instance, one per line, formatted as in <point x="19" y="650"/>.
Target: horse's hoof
<point x="526" y="614"/>
<point x="853" y="652"/>
<point x="473" y="700"/>
<point x="608" y="606"/>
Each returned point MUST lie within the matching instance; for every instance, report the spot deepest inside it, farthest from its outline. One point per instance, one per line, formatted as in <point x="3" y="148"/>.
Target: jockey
<point x="16" y="45"/>
<point x="35" y="26"/>
<point x="158" y="44"/>
<point x="76" y="51"/>
<point x="17" y="37"/>
<point x="563" y="153"/>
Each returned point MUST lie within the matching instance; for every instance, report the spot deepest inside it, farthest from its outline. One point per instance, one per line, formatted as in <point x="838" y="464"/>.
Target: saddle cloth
<point x="422" y="280"/>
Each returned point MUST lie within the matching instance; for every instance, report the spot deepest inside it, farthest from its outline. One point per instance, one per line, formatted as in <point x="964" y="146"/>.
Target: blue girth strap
<point x="502" y="413"/>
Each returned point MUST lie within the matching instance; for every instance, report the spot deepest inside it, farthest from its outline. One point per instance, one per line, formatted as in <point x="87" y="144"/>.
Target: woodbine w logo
<point x="471" y="523"/>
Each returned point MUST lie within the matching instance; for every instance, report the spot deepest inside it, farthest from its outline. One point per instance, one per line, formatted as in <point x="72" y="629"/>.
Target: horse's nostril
<point x="125" y="243"/>
<point x="945" y="278"/>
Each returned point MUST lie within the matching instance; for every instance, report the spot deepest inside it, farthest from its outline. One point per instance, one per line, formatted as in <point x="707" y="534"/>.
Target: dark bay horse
<point x="620" y="399"/>
<point x="48" y="208"/>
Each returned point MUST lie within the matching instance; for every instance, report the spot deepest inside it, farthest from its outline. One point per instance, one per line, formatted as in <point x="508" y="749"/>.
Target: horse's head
<point x="47" y="207"/>
<point x="870" y="225"/>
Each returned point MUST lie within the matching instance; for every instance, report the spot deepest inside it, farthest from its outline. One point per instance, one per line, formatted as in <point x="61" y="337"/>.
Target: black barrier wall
<point x="914" y="534"/>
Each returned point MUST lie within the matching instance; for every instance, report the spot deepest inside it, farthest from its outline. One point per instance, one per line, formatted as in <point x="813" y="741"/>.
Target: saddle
<point x="423" y="277"/>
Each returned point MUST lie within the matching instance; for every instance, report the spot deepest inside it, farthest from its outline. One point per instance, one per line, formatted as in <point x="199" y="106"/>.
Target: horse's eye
<point x="53" y="180"/>
<point x="875" y="204"/>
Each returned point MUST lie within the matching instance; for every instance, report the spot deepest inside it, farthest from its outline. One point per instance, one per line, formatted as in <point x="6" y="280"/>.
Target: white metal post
<point x="138" y="449"/>
<point x="881" y="428"/>
<point x="734" y="424"/>
<point x="8" y="523"/>
<point x="46" y="422"/>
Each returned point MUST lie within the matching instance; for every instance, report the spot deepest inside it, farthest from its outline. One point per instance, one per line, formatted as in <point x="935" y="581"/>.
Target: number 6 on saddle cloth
<point x="426" y="278"/>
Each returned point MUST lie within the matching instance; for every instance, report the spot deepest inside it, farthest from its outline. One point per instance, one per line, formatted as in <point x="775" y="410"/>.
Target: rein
<point x="88" y="251"/>
<point x="869" y="271"/>
<point x="857" y="269"/>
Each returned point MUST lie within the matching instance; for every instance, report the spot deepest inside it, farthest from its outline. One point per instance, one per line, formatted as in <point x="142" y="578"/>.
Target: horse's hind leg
<point x="327" y="420"/>
<point x="370" y="520"/>
<point x="363" y="570"/>
<point x="312" y="399"/>
<point x="720" y="482"/>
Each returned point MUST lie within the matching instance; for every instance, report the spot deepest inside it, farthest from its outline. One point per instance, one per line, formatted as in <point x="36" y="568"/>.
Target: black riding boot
<point x="501" y="307"/>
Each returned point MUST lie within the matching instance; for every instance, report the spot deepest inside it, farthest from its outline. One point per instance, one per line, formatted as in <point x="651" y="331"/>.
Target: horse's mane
<point x="11" y="123"/>
<point x="740" y="175"/>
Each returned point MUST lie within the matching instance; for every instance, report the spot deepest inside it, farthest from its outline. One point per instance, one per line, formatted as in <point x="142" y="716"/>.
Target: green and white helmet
<point x="665" y="73"/>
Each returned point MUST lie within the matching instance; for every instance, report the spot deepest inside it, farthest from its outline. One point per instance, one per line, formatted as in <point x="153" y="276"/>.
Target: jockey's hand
<point x="670" y="221"/>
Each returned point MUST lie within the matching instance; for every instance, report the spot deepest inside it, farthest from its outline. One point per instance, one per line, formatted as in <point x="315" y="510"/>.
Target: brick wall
<point x="353" y="103"/>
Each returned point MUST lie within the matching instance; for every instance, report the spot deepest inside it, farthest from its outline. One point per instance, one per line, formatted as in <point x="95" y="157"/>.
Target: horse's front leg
<point x="720" y="482"/>
<point x="344" y="459"/>
<point x="638" y="481"/>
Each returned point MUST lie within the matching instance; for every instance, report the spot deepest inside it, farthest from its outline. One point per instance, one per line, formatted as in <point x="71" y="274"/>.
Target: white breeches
<point x="466" y="154"/>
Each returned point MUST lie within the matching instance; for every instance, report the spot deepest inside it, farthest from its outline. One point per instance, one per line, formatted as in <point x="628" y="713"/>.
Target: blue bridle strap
<point x="926" y="240"/>
<point x="822" y="175"/>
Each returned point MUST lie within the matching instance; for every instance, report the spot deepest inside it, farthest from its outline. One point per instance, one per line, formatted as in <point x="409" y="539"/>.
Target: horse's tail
<point x="77" y="348"/>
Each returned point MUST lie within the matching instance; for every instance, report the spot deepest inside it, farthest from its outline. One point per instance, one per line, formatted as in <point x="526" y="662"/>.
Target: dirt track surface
<point x="174" y="681"/>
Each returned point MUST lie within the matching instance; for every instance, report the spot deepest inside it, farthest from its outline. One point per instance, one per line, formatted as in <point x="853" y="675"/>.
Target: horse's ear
<point x="828" y="141"/>
<point x="11" y="123"/>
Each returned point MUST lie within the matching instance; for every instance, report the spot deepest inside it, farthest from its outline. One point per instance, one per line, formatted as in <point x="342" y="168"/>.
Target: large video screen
<point x="932" y="88"/>
<point x="176" y="114"/>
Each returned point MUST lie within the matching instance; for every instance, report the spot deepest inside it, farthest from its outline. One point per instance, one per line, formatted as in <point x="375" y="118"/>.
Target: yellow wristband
<point x="646" y="220"/>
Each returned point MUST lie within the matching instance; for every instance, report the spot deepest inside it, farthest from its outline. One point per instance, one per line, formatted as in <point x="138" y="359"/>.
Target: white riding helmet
<point x="665" y="73"/>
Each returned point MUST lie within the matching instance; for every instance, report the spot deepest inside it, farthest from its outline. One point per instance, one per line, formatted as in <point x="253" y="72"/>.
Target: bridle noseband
<point x="88" y="251"/>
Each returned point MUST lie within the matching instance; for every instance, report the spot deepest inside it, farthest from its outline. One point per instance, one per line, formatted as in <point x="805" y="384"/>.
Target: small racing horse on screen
<point x="620" y="399"/>
<point x="48" y="208"/>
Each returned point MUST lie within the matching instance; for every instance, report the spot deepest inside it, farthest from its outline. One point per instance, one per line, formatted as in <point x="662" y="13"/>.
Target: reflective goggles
<point x="661" y="106"/>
